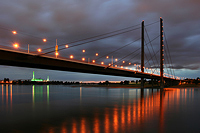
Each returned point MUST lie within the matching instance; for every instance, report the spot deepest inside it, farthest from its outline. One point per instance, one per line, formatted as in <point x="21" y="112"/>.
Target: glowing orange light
<point x="16" y="45"/>
<point x="107" y="57"/>
<point x="14" y="32"/>
<point x="134" y="64"/>
<point x="116" y="59"/>
<point x="39" y="50"/>
<point x="83" y="51"/>
<point x="93" y="61"/>
<point x="97" y="54"/>
<point x="121" y="66"/>
<point x="66" y="46"/>
<point x="56" y="53"/>
<point x="129" y="63"/>
<point x="44" y="40"/>
<point x="123" y="61"/>
<point x="71" y="56"/>
<point x="83" y="59"/>
<point x="115" y="65"/>
<point x="109" y="64"/>
<point x="102" y="63"/>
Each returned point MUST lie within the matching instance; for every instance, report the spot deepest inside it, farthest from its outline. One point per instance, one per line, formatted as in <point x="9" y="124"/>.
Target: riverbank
<point x="138" y="86"/>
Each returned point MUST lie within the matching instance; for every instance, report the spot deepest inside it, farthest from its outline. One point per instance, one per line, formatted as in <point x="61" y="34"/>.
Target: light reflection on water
<point x="51" y="108"/>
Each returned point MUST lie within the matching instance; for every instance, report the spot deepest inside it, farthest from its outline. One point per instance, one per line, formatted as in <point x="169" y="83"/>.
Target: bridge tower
<point x="142" y="53"/>
<point x="161" y="54"/>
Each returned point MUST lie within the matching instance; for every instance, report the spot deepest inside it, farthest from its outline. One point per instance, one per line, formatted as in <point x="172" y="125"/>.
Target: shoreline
<point x="138" y="86"/>
<point x="147" y="86"/>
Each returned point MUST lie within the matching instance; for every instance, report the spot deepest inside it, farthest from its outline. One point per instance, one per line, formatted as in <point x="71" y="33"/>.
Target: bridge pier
<point x="152" y="80"/>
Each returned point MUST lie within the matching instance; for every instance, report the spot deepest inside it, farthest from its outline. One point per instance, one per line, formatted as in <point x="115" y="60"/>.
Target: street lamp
<point x="14" y="32"/>
<point x="39" y="50"/>
<point x="16" y="45"/>
<point x="71" y="56"/>
<point x="44" y="40"/>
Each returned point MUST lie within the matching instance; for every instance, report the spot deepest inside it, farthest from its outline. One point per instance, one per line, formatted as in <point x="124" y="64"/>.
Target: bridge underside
<point x="22" y="59"/>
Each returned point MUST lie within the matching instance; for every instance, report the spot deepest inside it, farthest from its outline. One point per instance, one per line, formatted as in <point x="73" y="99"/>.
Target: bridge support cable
<point x="133" y="57"/>
<point x="142" y="53"/>
<point x="173" y="73"/>
<point x="89" y="40"/>
<point x="161" y="54"/>
<point x="156" y="66"/>
<point x="118" y="49"/>
<point x="150" y="56"/>
<point x="166" y="62"/>
<point x="124" y="57"/>
<point x="103" y="36"/>
<point x="151" y="45"/>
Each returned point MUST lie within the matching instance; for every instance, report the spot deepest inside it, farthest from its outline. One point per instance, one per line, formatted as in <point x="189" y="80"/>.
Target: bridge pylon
<point x="142" y="53"/>
<point x="161" y="54"/>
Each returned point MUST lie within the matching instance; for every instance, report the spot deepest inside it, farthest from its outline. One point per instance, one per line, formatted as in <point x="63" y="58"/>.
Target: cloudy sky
<point x="73" y="20"/>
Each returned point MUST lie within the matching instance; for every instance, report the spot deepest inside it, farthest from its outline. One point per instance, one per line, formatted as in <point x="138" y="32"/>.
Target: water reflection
<point x="135" y="114"/>
<point x="6" y="94"/>
<point x="80" y="94"/>
<point x="83" y="110"/>
<point x="38" y="92"/>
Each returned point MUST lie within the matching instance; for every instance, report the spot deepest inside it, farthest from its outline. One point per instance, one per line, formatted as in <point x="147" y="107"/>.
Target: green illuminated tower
<point x="34" y="79"/>
<point x="33" y="75"/>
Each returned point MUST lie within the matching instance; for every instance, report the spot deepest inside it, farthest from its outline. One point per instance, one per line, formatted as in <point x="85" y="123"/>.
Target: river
<point x="68" y="109"/>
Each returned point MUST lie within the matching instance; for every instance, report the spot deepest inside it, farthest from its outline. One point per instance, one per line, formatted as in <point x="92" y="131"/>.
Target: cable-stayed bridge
<point x="50" y="58"/>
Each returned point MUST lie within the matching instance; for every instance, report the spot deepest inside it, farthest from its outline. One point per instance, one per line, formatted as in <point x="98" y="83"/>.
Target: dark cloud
<point x="70" y="20"/>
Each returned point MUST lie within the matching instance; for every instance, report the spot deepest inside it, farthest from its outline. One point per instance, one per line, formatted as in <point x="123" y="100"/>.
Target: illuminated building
<point x="39" y="80"/>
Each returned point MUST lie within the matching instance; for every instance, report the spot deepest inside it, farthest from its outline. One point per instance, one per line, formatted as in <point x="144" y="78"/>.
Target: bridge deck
<point x="31" y="60"/>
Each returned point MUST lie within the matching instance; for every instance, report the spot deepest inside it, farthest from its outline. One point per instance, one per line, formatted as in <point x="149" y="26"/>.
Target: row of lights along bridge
<point x="136" y="66"/>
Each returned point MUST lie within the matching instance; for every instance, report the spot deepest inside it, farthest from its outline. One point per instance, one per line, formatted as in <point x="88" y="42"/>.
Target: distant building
<point x="39" y="80"/>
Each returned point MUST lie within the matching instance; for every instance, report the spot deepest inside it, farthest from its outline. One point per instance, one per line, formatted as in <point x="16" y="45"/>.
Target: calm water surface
<point x="67" y="109"/>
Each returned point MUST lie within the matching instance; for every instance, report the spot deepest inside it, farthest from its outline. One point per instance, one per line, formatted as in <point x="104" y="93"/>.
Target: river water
<point x="68" y="109"/>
